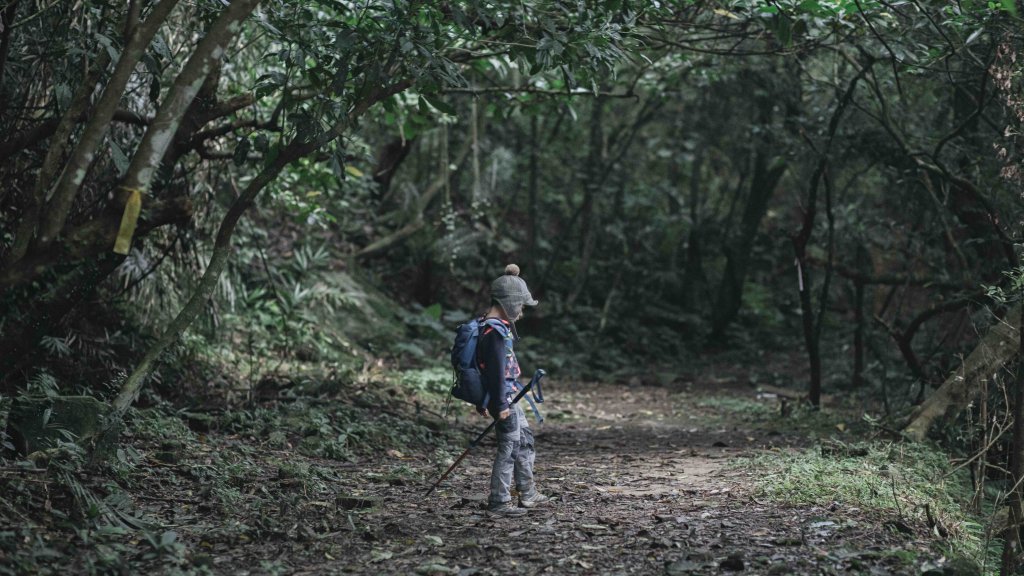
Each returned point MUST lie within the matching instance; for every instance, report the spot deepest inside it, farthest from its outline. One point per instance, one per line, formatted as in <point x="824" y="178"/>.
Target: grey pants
<point x="514" y="458"/>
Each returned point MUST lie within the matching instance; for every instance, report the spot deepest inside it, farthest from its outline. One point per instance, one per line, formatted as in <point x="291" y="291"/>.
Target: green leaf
<point x="241" y="151"/>
<point x="261" y="143"/>
<point x="338" y="163"/>
<point x="168" y="538"/>
<point x="154" y="90"/>
<point x="433" y="311"/>
<point x="161" y="48"/>
<point x="119" y="158"/>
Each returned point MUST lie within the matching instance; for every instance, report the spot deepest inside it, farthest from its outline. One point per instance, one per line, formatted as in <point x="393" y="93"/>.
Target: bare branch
<point x="46" y="128"/>
<point x="533" y="90"/>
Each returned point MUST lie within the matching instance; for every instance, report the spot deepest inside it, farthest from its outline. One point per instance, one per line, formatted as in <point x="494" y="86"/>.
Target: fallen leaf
<point x="734" y="562"/>
<point x="380" y="555"/>
<point x="436" y="568"/>
<point x="681" y="567"/>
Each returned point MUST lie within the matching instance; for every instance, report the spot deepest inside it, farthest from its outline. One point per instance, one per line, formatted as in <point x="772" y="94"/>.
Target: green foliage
<point x="895" y="481"/>
<point x="733" y="406"/>
<point x="626" y="214"/>
<point x="436" y="381"/>
<point x="156" y="425"/>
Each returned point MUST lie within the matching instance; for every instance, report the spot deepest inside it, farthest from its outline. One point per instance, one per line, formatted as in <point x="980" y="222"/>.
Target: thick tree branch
<point x="46" y="128"/>
<point x="532" y="90"/>
<point x="81" y="158"/>
<point x="54" y="156"/>
<point x="93" y="238"/>
<point x="903" y="343"/>
<point x="222" y="244"/>
<point x="418" y="221"/>
<point x="998" y="347"/>
<point x="190" y="80"/>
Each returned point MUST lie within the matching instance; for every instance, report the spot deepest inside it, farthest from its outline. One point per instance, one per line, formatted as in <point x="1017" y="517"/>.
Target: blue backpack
<point x="467" y="385"/>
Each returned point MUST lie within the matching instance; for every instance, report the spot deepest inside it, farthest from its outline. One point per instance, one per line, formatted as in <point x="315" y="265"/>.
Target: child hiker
<point x="499" y="371"/>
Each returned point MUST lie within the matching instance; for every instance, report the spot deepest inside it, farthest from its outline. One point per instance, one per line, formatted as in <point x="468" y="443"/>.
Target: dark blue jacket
<point x="499" y="368"/>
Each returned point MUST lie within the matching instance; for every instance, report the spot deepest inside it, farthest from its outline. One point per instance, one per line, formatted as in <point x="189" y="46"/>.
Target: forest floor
<point x="675" y="479"/>
<point x="644" y="480"/>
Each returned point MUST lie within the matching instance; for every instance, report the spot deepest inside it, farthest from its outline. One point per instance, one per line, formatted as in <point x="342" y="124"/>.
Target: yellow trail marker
<point x="128" y="221"/>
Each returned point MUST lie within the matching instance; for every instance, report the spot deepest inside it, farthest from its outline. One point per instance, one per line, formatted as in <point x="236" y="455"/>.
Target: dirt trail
<point x="642" y="484"/>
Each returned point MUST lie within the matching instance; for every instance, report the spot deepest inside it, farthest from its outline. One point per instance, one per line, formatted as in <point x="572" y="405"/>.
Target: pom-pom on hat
<point x="511" y="293"/>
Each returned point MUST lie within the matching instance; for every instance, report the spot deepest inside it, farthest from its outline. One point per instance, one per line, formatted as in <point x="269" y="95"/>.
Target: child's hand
<point x="504" y="414"/>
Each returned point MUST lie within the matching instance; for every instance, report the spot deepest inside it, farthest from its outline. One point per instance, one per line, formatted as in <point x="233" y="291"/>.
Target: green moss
<point x="158" y="426"/>
<point x="897" y="479"/>
<point x="41" y="422"/>
<point x="732" y="406"/>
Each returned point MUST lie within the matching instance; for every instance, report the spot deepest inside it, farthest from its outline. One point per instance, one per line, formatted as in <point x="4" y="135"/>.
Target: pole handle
<point x="535" y="381"/>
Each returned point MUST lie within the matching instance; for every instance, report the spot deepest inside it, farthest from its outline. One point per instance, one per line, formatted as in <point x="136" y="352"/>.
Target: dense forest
<point x="775" y="243"/>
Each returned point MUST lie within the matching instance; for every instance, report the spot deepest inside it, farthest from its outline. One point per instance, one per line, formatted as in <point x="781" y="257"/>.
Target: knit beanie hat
<point x="511" y="293"/>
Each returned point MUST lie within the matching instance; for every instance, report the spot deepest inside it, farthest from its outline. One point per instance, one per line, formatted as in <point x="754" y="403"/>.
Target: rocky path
<point x="644" y="481"/>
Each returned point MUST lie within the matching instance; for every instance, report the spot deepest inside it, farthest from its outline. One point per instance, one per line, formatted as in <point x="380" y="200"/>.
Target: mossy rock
<point x="956" y="567"/>
<point x="38" y="422"/>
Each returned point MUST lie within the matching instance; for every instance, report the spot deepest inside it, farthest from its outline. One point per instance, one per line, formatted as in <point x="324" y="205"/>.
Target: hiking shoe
<point x="505" y="509"/>
<point x="535" y="499"/>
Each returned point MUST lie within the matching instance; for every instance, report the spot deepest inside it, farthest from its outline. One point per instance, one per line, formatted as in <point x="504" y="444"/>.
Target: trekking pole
<point x="533" y="382"/>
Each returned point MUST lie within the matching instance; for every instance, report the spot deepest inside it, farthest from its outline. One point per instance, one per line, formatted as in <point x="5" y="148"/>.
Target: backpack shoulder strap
<point x="497" y="325"/>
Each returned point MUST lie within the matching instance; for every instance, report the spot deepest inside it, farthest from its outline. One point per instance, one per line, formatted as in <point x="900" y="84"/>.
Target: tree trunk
<point x="389" y="159"/>
<point x="532" y="190"/>
<point x="695" y="280"/>
<point x="418" y="221"/>
<point x="807" y="322"/>
<point x="862" y="262"/>
<point x="814" y="392"/>
<point x="767" y="173"/>
<point x="94" y="236"/>
<point x="1011" y="538"/>
<point x="6" y="32"/>
<point x="858" y="335"/>
<point x="59" y="206"/>
<point x="218" y="260"/>
<point x="591" y="189"/>
<point x="812" y="325"/>
<point x="961" y="387"/>
<point x="222" y="246"/>
<point x="53" y="159"/>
